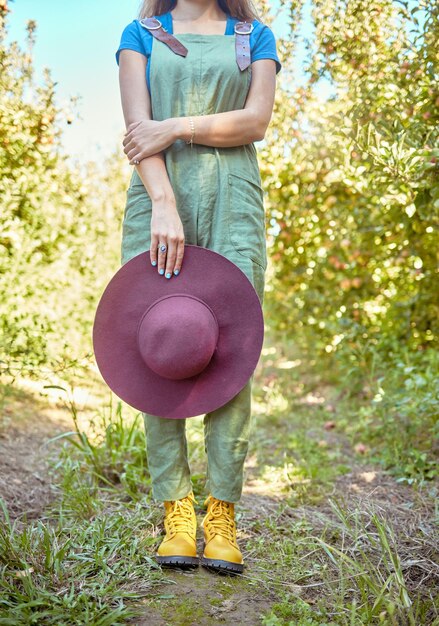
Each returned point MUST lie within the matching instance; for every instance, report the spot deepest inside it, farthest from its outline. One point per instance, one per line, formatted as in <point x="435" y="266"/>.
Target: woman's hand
<point x="166" y="229"/>
<point x="147" y="137"/>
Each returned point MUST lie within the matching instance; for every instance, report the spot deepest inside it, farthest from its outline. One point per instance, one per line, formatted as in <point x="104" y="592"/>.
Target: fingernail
<point x="168" y="275"/>
<point x="176" y="272"/>
<point x="162" y="271"/>
<point x="154" y="263"/>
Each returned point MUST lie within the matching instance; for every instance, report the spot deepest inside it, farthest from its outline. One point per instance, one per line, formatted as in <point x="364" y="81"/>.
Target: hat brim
<point x="214" y="279"/>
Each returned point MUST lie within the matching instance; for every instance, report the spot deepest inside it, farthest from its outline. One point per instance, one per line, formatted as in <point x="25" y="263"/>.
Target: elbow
<point x="259" y="129"/>
<point x="259" y="134"/>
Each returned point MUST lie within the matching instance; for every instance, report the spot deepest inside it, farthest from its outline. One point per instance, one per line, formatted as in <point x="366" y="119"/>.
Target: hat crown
<point x="177" y="336"/>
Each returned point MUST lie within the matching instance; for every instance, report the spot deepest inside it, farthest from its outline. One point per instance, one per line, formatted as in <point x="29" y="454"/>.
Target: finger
<point x="137" y="157"/>
<point x="129" y="133"/>
<point x="129" y="147"/>
<point x="162" y="255"/>
<point x="153" y="248"/>
<point x="127" y="139"/>
<point x="171" y="256"/>
<point x="132" y="125"/>
<point x="134" y="153"/>
<point x="179" y="257"/>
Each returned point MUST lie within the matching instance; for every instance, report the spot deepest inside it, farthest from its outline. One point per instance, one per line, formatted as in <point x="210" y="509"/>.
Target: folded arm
<point x="218" y="130"/>
<point x="136" y="105"/>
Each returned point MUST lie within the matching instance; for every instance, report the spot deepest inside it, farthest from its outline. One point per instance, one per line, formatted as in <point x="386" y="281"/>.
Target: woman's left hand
<point x="147" y="137"/>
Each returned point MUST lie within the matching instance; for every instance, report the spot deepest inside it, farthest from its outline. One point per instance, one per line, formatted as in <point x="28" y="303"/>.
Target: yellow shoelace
<point x="220" y="521"/>
<point x="179" y="519"/>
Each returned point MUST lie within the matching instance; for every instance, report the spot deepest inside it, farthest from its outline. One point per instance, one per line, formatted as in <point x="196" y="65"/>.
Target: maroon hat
<point x="180" y="347"/>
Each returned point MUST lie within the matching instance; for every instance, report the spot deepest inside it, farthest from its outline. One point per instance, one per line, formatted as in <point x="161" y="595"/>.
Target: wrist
<point x="163" y="202"/>
<point x="181" y="128"/>
<point x="173" y="127"/>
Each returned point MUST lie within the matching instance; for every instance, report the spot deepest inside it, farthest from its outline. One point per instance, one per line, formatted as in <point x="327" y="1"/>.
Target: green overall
<point x="220" y="202"/>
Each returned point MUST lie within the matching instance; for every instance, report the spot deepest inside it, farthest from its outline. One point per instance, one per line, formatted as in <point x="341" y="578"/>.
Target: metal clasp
<point x="151" y="27"/>
<point x="245" y="24"/>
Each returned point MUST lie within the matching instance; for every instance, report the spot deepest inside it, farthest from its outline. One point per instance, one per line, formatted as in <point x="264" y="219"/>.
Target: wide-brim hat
<point x="183" y="346"/>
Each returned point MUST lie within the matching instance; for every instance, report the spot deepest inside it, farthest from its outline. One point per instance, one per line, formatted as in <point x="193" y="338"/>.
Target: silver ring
<point x="136" y="162"/>
<point x="162" y="247"/>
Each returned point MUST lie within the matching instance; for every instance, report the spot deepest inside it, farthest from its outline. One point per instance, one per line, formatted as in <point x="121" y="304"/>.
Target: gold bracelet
<point x="192" y="127"/>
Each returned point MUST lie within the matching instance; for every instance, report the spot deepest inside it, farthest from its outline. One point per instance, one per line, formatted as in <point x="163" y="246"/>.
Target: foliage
<point x="353" y="185"/>
<point x="325" y="417"/>
<point x="398" y="415"/>
<point x="58" y="223"/>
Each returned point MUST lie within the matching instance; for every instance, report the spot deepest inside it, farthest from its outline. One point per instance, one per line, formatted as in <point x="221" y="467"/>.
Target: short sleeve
<point x="264" y="46"/>
<point x="134" y="37"/>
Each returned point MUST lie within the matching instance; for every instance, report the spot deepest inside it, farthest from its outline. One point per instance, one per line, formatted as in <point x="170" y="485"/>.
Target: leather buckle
<point x="147" y="20"/>
<point x="245" y="25"/>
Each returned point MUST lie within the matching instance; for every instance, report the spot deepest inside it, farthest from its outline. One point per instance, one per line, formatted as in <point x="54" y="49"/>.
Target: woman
<point x="190" y="131"/>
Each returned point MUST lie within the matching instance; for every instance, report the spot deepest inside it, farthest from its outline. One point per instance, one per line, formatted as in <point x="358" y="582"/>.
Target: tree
<point x="353" y="191"/>
<point x="58" y="224"/>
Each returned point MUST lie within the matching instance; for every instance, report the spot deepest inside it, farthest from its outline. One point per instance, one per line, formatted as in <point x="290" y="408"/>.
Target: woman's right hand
<point x="166" y="228"/>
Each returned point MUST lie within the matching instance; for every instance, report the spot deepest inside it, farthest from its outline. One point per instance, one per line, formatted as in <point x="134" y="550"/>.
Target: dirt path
<point x="26" y="427"/>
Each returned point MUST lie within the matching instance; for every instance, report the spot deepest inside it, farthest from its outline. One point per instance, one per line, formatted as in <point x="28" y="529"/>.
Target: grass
<point x="112" y="451"/>
<point x="293" y="611"/>
<point x="77" y="571"/>
<point x="352" y="570"/>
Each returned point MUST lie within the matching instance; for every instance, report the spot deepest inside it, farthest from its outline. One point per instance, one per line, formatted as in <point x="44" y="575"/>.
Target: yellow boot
<point x="221" y="552"/>
<point x="179" y="547"/>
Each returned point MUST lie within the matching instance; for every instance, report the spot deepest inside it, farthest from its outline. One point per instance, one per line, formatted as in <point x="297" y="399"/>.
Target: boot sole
<point x="217" y="565"/>
<point x="185" y="562"/>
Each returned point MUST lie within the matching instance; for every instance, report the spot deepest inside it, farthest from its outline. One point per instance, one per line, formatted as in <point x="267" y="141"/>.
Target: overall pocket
<point x="246" y="216"/>
<point x="136" y="223"/>
<point x="137" y="199"/>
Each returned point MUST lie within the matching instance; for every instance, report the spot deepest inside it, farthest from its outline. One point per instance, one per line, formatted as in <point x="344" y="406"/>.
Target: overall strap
<point x="159" y="32"/>
<point x="242" y="44"/>
<point x="242" y="39"/>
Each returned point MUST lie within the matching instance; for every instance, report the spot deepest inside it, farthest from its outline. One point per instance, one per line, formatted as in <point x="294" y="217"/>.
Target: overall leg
<point x="166" y="449"/>
<point x="227" y="431"/>
<point x="226" y="435"/>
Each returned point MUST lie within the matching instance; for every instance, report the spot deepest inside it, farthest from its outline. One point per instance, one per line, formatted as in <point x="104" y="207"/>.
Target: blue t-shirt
<point x="136" y="37"/>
